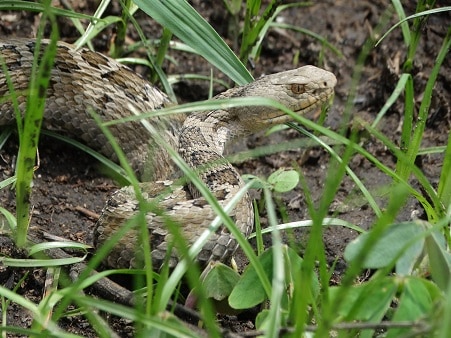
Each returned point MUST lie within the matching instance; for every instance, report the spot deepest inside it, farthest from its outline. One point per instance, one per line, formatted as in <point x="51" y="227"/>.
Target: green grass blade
<point x="404" y="25"/>
<point x="93" y="27"/>
<point x="432" y="150"/>
<point x="444" y="185"/>
<point x="402" y="167"/>
<point x="115" y="169"/>
<point x="29" y="6"/>
<point x="416" y="15"/>
<point x="308" y="32"/>
<point x="163" y="47"/>
<point x="39" y="263"/>
<point x="407" y="126"/>
<point x="433" y="210"/>
<point x="349" y="171"/>
<point x="5" y="133"/>
<point x="417" y="137"/>
<point x="29" y="138"/>
<point x="191" y="28"/>
<point x="278" y="280"/>
<point x="400" y="86"/>
<point x="95" y="30"/>
<point x="9" y="217"/>
<point x="157" y="69"/>
<point x="308" y="223"/>
<point x="40" y="247"/>
<point x="168" y="324"/>
<point x="445" y="325"/>
<point x="253" y="29"/>
<point x="38" y="317"/>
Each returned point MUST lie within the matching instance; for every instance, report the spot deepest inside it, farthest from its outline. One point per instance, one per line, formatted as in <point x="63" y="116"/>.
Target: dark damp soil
<point x="67" y="182"/>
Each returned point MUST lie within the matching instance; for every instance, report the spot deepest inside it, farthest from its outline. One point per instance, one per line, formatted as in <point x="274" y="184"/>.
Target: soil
<point x="68" y="179"/>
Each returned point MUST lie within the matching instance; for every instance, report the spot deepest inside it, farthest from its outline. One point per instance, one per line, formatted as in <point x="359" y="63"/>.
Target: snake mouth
<point x="313" y="113"/>
<point x="310" y="111"/>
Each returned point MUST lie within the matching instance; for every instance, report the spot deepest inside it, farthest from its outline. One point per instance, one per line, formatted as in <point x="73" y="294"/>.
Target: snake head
<point x="301" y="90"/>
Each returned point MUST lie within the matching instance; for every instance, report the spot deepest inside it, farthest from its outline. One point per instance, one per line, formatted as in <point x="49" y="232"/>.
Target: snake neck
<point x="201" y="144"/>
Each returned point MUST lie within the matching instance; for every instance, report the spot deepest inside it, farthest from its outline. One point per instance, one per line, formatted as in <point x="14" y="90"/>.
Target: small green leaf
<point x="284" y="180"/>
<point x="261" y="318"/>
<point x="293" y="263"/>
<point x="257" y="183"/>
<point x="233" y="6"/>
<point x="264" y="317"/>
<point x="220" y="281"/>
<point x="9" y="217"/>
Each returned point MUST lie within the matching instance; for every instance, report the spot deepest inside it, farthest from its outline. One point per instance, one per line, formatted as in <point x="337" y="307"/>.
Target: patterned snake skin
<point x="82" y="80"/>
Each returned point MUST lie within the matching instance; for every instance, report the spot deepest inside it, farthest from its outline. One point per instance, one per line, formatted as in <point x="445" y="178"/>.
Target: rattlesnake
<point x="82" y="80"/>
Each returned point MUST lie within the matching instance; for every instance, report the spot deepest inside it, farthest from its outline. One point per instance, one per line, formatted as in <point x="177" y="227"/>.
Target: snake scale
<point x="83" y="80"/>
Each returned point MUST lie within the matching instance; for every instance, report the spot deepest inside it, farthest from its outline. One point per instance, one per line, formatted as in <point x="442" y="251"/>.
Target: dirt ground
<point x="68" y="179"/>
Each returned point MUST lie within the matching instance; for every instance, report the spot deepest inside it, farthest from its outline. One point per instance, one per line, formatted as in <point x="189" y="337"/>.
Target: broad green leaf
<point x="179" y="17"/>
<point x="439" y="260"/>
<point x="249" y="292"/>
<point x="417" y="300"/>
<point x="395" y="243"/>
<point x="367" y="301"/>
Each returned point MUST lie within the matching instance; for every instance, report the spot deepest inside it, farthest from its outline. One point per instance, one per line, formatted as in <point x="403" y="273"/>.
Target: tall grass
<point x="298" y="289"/>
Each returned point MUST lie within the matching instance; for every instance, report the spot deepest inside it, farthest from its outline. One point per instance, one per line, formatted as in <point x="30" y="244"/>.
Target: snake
<point x="82" y="81"/>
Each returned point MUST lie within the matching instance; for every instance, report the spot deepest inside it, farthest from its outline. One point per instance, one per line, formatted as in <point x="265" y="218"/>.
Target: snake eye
<point x="297" y="88"/>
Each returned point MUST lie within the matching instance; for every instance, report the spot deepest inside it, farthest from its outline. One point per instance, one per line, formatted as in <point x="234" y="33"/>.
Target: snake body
<point x="82" y="80"/>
